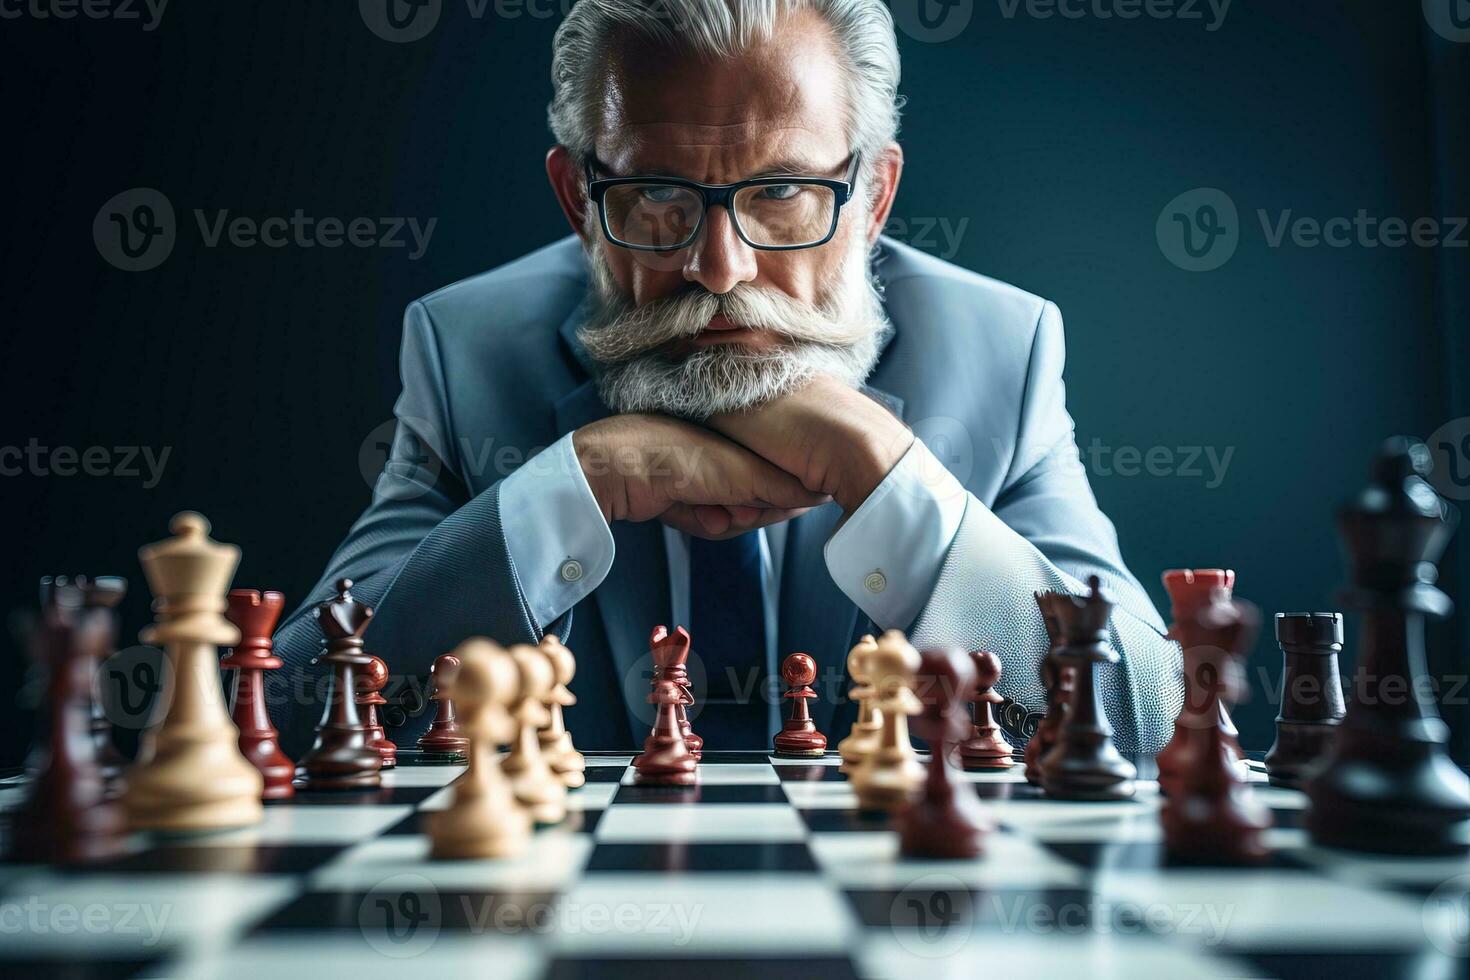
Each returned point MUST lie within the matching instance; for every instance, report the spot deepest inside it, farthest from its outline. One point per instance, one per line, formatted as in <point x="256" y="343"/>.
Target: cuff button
<point x="875" y="582"/>
<point x="571" y="570"/>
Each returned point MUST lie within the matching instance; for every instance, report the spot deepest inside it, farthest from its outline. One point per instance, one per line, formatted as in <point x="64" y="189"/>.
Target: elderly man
<point x="717" y="385"/>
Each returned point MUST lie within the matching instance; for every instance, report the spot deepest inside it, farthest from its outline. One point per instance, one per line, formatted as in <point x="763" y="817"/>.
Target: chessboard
<point x="766" y="868"/>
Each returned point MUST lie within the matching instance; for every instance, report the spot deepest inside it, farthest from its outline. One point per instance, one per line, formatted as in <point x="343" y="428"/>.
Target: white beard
<point x="839" y="336"/>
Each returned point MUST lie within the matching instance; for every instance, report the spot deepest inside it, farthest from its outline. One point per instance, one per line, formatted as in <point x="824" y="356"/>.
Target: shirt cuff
<point x="558" y="541"/>
<point x="887" y="556"/>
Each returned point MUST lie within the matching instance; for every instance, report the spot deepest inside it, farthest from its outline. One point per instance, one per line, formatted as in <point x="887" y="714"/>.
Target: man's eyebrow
<point x="795" y="166"/>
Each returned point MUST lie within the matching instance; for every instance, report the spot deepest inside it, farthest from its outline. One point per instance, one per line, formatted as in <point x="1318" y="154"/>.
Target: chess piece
<point x="105" y="593"/>
<point x="945" y="821"/>
<point x="69" y="815"/>
<point x="556" y="742"/>
<point x="370" y="684"/>
<point x="1311" y="695"/>
<point x="190" y="775"/>
<point x="255" y="614"/>
<point x="1210" y="816"/>
<point x="1190" y="589"/>
<point x="864" y="735"/>
<point x="666" y="759"/>
<point x="799" y="735"/>
<point x="885" y="780"/>
<point x="539" y="790"/>
<point x="1388" y="784"/>
<point x="1056" y="680"/>
<point x="1084" y="764"/>
<point x="443" y="737"/>
<point x="483" y="818"/>
<point x="342" y="757"/>
<point x="985" y="747"/>
<point x="678" y="672"/>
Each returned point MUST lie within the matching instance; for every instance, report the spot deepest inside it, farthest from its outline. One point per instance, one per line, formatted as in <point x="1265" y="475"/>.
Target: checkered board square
<point x="765" y="868"/>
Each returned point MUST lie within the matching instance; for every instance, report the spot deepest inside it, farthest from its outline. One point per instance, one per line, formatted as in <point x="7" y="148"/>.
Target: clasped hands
<point x="743" y="470"/>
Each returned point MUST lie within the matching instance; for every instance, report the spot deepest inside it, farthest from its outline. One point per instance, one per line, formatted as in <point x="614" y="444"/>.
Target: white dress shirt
<point x="885" y="556"/>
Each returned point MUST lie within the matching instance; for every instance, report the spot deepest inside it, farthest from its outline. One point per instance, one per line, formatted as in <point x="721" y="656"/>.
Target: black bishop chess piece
<point x="343" y="755"/>
<point x="1311" y="695"/>
<point x="71" y="814"/>
<point x="1388" y="785"/>
<point x="1084" y="764"/>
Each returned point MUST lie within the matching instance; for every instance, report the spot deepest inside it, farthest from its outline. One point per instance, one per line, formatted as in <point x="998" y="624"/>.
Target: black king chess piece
<point x="343" y="756"/>
<point x="1388" y="785"/>
<point x="1084" y="764"/>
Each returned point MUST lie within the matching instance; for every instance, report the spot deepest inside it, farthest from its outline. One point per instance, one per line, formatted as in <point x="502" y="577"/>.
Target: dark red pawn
<point x="799" y="735"/>
<point x="443" y="734"/>
<point x="370" y="684"/>
<point x="947" y="820"/>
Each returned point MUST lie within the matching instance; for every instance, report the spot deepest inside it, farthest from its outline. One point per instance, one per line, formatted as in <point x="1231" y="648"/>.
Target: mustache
<point x="624" y="332"/>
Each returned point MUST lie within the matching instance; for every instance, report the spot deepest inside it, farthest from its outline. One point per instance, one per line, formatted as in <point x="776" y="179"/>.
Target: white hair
<point x="863" y="30"/>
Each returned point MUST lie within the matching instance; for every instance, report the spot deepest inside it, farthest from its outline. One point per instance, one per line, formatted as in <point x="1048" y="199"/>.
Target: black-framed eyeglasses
<point x="661" y="214"/>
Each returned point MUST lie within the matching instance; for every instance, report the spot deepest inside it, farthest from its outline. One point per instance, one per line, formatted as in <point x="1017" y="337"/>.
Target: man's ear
<point x="887" y="170"/>
<point x="569" y="186"/>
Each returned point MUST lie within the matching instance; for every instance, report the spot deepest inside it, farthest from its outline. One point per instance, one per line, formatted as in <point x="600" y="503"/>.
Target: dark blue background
<point x="1054" y="143"/>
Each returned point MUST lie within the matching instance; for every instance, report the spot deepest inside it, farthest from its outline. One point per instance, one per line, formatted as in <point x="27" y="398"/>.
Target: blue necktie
<point x="727" y="626"/>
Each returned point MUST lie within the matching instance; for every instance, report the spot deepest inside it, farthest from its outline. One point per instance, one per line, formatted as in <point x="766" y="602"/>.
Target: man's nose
<point x="719" y="260"/>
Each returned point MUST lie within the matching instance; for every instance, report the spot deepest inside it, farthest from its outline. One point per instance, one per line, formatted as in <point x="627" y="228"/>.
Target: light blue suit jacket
<point x="492" y="372"/>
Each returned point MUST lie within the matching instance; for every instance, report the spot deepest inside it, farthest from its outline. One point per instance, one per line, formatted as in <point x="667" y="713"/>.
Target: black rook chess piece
<point x="1084" y="764"/>
<point x="343" y="756"/>
<point x="1388" y="785"/>
<point x="1311" y="695"/>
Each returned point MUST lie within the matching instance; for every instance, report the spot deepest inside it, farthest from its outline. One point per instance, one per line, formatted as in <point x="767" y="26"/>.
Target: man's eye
<point x="780" y="192"/>
<point x="660" y="195"/>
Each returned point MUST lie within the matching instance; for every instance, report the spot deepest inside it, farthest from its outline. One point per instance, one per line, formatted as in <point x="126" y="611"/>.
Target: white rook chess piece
<point x="483" y="819"/>
<point x="190" y="775"/>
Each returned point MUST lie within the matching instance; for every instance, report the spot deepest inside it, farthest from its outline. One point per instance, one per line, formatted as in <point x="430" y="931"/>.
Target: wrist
<point x="594" y="457"/>
<point x="871" y="459"/>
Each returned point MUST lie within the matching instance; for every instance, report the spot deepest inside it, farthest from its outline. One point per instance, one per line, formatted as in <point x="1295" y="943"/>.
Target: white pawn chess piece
<point x="536" y="786"/>
<point x="190" y="775"/>
<point x="888" y="776"/>
<point x="556" y="742"/>
<point x="483" y="819"/>
<point x="864" y="735"/>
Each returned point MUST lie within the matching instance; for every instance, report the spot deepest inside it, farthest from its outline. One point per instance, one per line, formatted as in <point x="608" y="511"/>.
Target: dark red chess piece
<point x="370" y="684"/>
<point x="1057" y="682"/>
<point x="678" y="672"/>
<point x="1388" y="784"/>
<point x="341" y="757"/>
<point x="947" y="820"/>
<point x="799" y="735"/>
<point x="1190" y="590"/>
<point x="68" y="816"/>
<point x="255" y="614"/>
<point x="105" y="593"/>
<point x="1211" y="817"/>
<point x="666" y="759"/>
<point x="443" y="736"/>
<point x="1084" y="764"/>
<point x="985" y="747"/>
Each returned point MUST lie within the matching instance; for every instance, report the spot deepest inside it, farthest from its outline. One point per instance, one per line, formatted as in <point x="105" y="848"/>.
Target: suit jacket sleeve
<point x="429" y="558"/>
<point x="1046" y="532"/>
